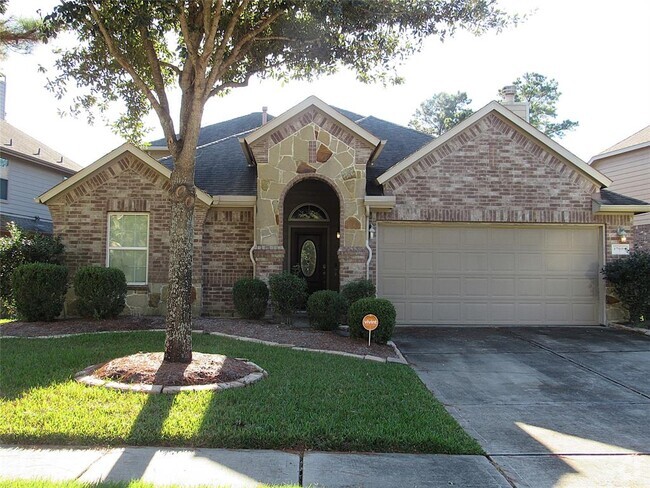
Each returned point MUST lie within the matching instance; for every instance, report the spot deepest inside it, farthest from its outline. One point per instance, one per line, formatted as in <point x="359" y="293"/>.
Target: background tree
<point x="135" y="51"/>
<point x="542" y="95"/>
<point x="441" y="112"/>
<point x="19" y="34"/>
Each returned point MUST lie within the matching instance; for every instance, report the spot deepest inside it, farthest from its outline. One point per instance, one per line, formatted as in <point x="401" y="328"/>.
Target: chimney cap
<point x="509" y="93"/>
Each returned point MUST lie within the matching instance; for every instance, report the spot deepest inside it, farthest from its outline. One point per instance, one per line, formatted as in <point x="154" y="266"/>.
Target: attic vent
<point x="10" y="143"/>
<point x="60" y="161"/>
<point x="38" y="152"/>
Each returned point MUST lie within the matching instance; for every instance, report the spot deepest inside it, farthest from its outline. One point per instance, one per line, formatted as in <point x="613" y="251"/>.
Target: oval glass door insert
<point x="308" y="258"/>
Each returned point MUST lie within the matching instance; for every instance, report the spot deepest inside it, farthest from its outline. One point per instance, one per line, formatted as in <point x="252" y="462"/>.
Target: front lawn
<point x="309" y="401"/>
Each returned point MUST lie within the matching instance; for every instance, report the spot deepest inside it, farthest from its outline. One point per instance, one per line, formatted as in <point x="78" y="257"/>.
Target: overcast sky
<point x="596" y="50"/>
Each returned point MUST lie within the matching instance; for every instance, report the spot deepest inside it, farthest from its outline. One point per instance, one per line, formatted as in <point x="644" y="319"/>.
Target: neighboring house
<point x="27" y="169"/>
<point x="491" y="223"/>
<point x="627" y="164"/>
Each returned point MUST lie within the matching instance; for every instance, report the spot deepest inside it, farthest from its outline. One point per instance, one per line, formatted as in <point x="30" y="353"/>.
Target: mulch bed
<point x="300" y="334"/>
<point x="150" y="369"/>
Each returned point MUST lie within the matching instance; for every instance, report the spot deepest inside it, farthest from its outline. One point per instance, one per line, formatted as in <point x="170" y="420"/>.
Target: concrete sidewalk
<point x="247" y="468"/>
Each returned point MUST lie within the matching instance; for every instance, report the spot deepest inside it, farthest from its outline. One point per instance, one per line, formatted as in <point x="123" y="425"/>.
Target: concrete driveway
<point x="551" y="406"/>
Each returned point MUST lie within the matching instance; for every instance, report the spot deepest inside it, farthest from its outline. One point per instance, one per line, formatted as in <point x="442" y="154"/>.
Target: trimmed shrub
<point x="21" y="248"/>
<point x="101" y="292"/>
<point x="382" y="308"/>
<point x="250" y="296"/>
<point x="39" y="290"/>
<point x="288" y="292"/>
<point x="324" y="308"/>
<point x="629" y="276"/>
<point x="356" y="290"/>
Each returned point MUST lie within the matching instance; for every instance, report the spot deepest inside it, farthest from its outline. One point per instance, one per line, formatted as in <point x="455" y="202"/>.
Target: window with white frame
<point x="128" y="245"/>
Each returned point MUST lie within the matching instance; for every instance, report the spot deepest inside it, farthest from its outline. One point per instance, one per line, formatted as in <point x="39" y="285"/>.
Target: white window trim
<point x="109" y="248"/>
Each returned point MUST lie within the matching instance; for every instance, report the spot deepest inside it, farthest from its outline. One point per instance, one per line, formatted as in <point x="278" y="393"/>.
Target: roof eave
<point x="88" y="170"/>
<point x="587" y="170"/>
<point x="599" y="208"/>
<point x="319" y="104"/>
<point x="616" y="152"/>
<point x="40" y="162"/>
<point x="234" y="201"/>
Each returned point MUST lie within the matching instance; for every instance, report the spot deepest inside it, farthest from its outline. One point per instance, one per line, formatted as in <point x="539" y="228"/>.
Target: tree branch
<point x="232" y="84"/>
<point x="210" y="29"/>
<point x="236" y="53"/>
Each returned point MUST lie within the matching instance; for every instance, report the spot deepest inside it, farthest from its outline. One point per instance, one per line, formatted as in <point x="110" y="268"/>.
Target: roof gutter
<point x="601" y="208"/>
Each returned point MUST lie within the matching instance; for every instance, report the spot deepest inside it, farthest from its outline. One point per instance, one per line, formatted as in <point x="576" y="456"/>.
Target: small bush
<point x="101" y="292"/>
<point x="21" y="248"/>
<point x="39" y="290"/>
<point x="288" y="292"/>
<point x="356" y="290"/>
<point x="629" y="276"/>
<point x="324" y="308"/>
<point x="382" y="308"/>
<point x="250" y="296"/>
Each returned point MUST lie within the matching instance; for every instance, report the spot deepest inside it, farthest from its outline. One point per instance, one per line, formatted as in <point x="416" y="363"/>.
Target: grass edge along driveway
<point x="309" y="401"/>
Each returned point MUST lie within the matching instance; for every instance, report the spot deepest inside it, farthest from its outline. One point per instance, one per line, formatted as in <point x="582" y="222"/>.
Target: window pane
<point x="4" y="189"/>
<point x="128" y="230"/>
<point x="132" y="263"/>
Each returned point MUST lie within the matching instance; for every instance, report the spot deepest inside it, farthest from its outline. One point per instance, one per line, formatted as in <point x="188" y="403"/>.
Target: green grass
<point x="309" y="401"/>
<point x="103" y="484"/>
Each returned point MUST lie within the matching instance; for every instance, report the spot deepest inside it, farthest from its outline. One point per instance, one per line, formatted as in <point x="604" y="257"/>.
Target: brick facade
<point x="352" y="264"/>
<point x="227" y="240"/>
<point x="126" y="184"/>
<point x="491" y="172"/>
<point x="642" y="237"/>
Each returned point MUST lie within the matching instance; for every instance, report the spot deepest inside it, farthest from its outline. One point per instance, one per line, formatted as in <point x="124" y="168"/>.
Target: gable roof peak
<point x="518" y="122"/>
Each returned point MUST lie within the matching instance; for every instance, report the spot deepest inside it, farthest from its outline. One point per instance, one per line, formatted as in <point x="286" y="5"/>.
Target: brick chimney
<point x="520" y="109"/>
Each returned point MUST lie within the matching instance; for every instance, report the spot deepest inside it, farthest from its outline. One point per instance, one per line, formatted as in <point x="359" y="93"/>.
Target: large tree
<point x="135" y="51"/>
<point x="542" y="94"/>
<point x="441" y="112"/>
<point x="17" y="33"/>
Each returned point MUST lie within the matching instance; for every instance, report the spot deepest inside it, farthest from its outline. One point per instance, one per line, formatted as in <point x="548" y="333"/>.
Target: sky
<point x="597" y="51"/>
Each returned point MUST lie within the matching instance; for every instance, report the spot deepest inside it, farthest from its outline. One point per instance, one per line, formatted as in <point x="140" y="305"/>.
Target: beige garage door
<point x="437" y="274"/>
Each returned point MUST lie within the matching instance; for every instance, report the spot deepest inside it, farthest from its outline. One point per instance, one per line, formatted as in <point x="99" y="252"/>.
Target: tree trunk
<point x="178" y="342"/>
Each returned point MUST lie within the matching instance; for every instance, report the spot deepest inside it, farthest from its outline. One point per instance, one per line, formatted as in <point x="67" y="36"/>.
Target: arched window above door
<point x="309" y="212"/>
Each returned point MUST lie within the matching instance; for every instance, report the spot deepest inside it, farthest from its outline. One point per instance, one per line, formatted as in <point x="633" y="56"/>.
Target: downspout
<point x="368" y="242"/>
<point x="250" y="253"/>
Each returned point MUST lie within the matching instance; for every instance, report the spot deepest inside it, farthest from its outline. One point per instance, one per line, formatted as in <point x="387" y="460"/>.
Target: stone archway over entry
<point x="311" y="233"/>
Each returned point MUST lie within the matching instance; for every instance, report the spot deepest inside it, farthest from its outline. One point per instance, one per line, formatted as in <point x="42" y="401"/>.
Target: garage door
<point x="437" y="274"/>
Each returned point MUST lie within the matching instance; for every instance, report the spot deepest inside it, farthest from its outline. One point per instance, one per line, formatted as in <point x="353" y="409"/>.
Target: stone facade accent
<point x="491" y="172"/>
<point x="228" y="238"/>
<point x="642" y="237"/>
<point x="126" y="184"/>
<point x="352" y="263"/>
<point x="311" y="144"/>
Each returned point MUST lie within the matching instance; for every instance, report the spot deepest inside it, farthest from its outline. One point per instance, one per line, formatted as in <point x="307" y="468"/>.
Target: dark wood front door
<point x="309" y="256"/>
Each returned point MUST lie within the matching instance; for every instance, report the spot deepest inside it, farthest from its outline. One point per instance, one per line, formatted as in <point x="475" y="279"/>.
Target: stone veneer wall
<point x="491" y="172"/>
<point x="80" y="217"/>
<point x="228" y="237"/>
<point x="311" y="144"/>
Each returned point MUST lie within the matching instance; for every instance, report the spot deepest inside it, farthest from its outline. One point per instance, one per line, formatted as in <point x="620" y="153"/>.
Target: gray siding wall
<point x="26" y="182"/>
<point x="630" y="173"/>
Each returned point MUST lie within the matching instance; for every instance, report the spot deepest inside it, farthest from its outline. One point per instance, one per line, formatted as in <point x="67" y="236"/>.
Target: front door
<point x="308" y="256"/>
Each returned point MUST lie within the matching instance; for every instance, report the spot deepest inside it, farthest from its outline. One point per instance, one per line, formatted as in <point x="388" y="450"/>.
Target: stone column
<point x="352" y="264"/>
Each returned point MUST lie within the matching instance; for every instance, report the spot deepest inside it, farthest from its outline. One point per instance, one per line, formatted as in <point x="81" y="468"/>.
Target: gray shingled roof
<point x="222" y="168"/>
<point x="609" y="197"/>
<point x="26" y="224"/>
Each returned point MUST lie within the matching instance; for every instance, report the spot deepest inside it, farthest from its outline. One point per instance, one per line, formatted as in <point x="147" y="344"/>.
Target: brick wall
<point x="642" y="237"/>
<point x="126" y="184"/>
<point x="352" y="264"/>
<point x="492" y="172"/>
<point x="228" y="237"/>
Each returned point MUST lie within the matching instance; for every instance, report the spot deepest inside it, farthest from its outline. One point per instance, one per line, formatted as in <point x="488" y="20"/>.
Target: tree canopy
<point x="441" y="112"/>
<point x="542" y="95"/>
<point x="18" y="34"/>
<point x="134" y="52"/>
<point x="444" y="110"/>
